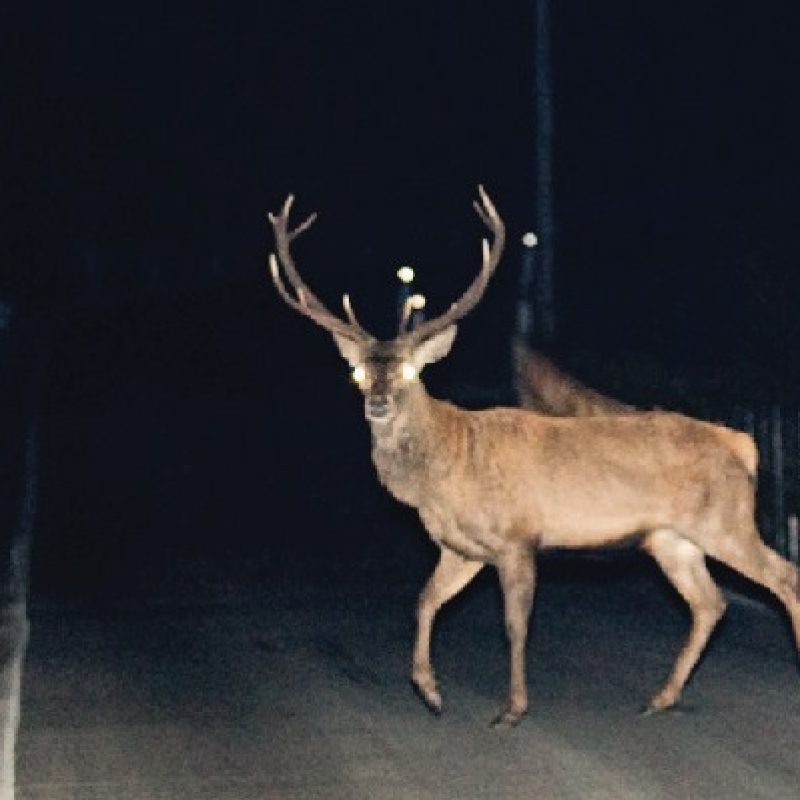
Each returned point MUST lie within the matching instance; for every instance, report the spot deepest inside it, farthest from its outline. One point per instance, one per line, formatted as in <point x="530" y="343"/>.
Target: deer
<point x="497" y="486"/>
<point x="541" y="386"/>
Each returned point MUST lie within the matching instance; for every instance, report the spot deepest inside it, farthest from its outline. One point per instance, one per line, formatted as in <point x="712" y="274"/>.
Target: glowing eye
<point x="408" y="371"/>
<point x="359" y="373"/>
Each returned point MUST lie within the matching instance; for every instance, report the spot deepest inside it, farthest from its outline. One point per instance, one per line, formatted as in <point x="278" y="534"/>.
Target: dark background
<point x="186" y="411"/>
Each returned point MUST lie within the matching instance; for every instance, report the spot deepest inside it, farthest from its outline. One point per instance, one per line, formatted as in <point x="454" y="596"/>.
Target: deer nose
<point x="379" y="407"/>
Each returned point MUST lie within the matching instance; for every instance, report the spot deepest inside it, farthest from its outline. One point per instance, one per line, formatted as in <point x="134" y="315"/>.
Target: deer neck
<point x="405" y="451"/>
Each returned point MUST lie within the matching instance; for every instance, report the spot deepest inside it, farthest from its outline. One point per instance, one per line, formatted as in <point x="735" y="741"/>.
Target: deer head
<point x="386" y="372"/>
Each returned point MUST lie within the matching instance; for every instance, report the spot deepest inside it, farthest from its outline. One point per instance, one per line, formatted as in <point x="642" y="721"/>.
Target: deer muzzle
<point x="379" y="408"/>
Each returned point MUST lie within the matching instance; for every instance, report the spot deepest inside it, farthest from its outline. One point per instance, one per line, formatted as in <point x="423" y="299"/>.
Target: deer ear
<point x="435" y="348"/>
<point x="349" y="349"/>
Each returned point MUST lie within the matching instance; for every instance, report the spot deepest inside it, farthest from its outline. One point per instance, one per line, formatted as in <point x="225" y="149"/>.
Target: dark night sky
<point x="187" y="410"/>
<point x="154" y="133"/>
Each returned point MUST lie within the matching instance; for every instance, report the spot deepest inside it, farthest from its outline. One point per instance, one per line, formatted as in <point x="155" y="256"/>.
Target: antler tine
<point x="486" y="210"/>
<point x="351" y="315"/>
<point x="405" y="317"/>
<point x="283" y="238"/>
<point x="306" y="302"/>
<point x="317" y="313"/>
<point x="490" y="259"/>
<point x="487" y="207"/>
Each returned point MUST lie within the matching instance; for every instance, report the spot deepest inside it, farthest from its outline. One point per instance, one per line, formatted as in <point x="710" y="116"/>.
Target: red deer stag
<point x="497" y="485"/>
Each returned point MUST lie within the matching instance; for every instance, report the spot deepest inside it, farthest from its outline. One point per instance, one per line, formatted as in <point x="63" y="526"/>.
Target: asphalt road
<point x="298" y="689"/>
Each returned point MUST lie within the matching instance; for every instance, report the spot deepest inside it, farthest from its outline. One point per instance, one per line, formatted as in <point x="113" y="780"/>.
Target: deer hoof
<point x="661" y="702"/>
<point x="429" y="695"/>
<point x="508" y="719"/>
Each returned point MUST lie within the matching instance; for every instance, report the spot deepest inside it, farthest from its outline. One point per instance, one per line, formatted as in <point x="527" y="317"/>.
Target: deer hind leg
<point x="452" y="574"/>
<point x="517" y="570"/>
<point x="684" y="565"/>
<point x="752" y="558"/>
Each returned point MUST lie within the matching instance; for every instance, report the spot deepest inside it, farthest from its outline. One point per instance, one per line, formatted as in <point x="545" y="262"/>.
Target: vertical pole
<point x="793" y="544"/>
<point x="765" y="521"/>
<point x="14" y="624"/>
<point x="22" y="363"/>
<point x="777" y="479"/>
<point x="405" y="275"/>
<point x="545" y="223"/>
<point x="749" y="422"/>
<point x="525" y="314"/>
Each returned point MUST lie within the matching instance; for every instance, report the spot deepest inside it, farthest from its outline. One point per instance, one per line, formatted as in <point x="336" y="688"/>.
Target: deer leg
<point x="452" y="574"/>
<point x="753" y="559"/>
<point x="684" y="565"/>
<point x="517" y="570"/>
<point x="784" y="582"/>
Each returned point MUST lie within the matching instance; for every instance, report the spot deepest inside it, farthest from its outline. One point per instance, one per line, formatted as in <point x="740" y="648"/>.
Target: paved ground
<point x="301" y="692"/>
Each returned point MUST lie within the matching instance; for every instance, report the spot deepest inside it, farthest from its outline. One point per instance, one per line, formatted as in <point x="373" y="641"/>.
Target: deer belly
<point x="595" y="525"/>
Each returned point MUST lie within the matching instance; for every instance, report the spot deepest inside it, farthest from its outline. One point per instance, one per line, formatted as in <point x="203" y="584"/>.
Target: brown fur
<point x="541" y="386"/>
<point x="723" y="499"/>
<point x="495" y="486"/>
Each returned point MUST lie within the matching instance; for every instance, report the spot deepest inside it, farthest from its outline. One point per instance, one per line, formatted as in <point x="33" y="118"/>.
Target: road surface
<point x="295" y="690"/>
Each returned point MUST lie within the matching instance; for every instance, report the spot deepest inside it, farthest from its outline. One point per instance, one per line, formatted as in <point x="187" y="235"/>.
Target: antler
<point x="491" y="257"/>
<point x="306" y="302"/>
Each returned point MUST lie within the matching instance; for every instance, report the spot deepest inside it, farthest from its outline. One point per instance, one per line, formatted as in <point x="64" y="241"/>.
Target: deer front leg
<point x="452" y="574"/>
<point x="517" y="569"/>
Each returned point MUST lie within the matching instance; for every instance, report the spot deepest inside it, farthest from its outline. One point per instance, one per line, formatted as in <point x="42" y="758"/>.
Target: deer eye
<point x="408" y="371"/>
<point x="359" y="374"/>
